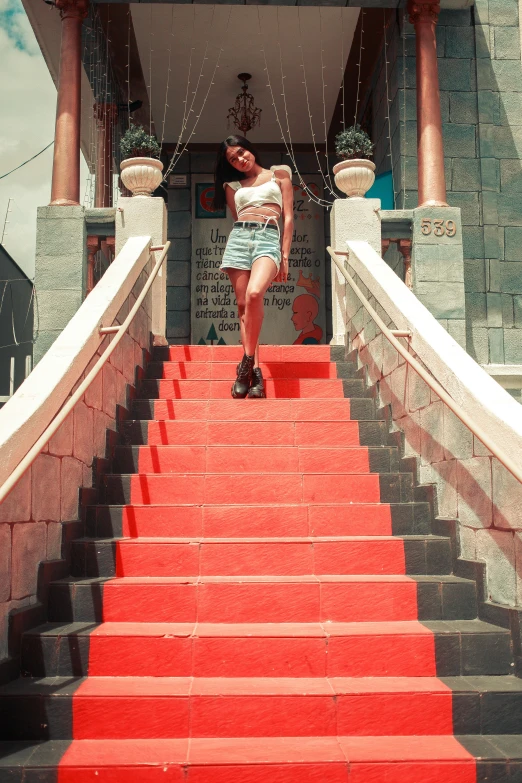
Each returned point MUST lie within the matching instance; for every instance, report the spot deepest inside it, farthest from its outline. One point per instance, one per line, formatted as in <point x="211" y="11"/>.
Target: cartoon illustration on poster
<point x="294" y="311"/>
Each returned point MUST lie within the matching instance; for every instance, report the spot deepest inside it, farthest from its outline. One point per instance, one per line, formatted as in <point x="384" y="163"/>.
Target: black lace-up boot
<point x="257" y="388"/>
<point x="244" y="377"/>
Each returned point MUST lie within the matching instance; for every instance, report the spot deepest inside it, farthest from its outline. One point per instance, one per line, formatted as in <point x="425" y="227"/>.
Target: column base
<point x="433" y="203"/>
<point x="64" y="202"/>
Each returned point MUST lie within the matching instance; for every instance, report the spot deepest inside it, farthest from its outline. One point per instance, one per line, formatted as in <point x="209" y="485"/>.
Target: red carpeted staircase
<point x="259" y="599"/>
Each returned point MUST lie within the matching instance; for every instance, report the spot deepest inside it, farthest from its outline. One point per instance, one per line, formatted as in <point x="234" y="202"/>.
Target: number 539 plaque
<point x="439" y="228"/>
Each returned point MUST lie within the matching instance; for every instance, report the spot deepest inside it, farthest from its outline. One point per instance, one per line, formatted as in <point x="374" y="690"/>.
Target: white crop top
<point x="258" y="195"/>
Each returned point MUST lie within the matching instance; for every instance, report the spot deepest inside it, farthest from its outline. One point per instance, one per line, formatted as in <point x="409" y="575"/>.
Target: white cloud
<point x="28" y="101"/>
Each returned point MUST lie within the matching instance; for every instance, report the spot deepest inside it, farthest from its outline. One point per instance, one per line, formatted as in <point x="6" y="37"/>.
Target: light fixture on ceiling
<point x="244" y="113"/>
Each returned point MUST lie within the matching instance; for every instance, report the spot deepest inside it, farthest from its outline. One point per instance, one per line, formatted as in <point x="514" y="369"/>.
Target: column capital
<point x="424" y="12"/>
<point x="72" y="9"/>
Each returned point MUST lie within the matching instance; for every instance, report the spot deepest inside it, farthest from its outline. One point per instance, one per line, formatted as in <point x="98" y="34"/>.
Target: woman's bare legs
<point x="261" y="277"/>
<point x="240" y="280"/>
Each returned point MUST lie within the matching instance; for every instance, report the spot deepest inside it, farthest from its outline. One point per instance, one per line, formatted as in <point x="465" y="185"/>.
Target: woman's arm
<point x="287" y="191"/>
<point x="231" y="204"/>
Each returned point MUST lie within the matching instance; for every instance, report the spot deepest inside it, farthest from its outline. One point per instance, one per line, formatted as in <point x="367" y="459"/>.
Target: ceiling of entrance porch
<point x="242" y="32"/>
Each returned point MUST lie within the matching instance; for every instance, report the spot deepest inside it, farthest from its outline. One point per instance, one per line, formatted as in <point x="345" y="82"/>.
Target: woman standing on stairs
<point x="257" y="250"/>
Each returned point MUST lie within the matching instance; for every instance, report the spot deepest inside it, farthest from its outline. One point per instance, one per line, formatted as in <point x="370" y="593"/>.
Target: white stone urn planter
<point x="354" y="177"/>
<point x="141" y="175"/>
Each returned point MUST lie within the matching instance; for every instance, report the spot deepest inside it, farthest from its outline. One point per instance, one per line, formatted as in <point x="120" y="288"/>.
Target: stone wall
<point x="40" y="513"/>
<point x="480" y="78"/>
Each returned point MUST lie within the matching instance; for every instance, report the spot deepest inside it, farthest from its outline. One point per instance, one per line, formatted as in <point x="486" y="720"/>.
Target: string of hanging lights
<point x="388" y="102"/>
<point x="323" y="66"/>
<point x="169" y="69"/>
<point x="361" y="48"/>
<point x="289" y="146"/>
<point x="404" y="80"/>
<point x="303" y="66"/>
<point x="177" y="155"/>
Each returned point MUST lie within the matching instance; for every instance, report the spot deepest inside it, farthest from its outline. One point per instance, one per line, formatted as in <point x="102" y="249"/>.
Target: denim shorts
<point x="248" y="243"/>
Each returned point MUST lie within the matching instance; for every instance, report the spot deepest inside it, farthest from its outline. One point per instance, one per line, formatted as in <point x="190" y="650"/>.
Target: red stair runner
<point x="261" y="626"/>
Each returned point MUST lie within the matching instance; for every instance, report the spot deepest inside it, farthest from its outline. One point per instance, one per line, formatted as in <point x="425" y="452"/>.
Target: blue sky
<point x="28" y="101"/>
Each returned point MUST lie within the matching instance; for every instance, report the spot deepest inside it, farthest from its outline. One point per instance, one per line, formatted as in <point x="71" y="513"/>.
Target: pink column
<point x="430" y="150"/>
<point x="65" y="190"/>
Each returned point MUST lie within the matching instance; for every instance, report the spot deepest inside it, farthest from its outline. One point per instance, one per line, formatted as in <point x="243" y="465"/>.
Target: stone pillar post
<point x="351" y="219"/>
<point x="60" y="271"/>
<point x="142" y="216"/>
<point x="105" y="114"/>
<point x="430" y="150"/>
<point x="65" y="190"/>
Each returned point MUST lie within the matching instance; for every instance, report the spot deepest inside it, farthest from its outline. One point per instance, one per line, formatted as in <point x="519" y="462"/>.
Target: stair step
<point x="275" y="649"/>
<point x="237" y="599"/>
<point x="343" y="598"/>
<point x="252" y="488"/>
<point x="261" y="410"/>
<point x="226" y="371"/>
<point x="296" y="519"/>
<point x="250" y="557"/>
<point x="249" y="459"/>
<point x="241" y="433"/>
<point x="234" y="353"/>
<point x="275" y="388"/>
<point x="249" y="760"/>
<point x="164" y="707"/>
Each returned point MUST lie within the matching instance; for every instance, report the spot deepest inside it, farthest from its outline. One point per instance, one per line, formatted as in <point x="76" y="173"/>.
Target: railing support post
<point x="147" y="216"/>
<point x="351" y="219"/>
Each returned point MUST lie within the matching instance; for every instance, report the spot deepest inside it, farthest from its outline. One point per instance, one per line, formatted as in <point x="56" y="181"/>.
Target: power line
<point x="27" y="161"/>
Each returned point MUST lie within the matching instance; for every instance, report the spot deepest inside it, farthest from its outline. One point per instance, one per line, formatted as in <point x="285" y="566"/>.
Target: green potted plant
<point x="354" y="175"/>
<point x="141" y="169"/>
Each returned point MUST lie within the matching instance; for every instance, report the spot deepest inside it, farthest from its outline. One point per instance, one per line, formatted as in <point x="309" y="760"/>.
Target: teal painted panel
<point x="383" y="188"/>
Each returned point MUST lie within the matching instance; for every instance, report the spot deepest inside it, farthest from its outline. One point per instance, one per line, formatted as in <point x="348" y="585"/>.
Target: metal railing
<point x="392" y="335"/>
<point x="118" y="331"/>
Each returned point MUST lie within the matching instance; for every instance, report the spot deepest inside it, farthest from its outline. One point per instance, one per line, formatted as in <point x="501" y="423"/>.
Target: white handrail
<point x="62" y="414"/>
<point x="479" y="433"/>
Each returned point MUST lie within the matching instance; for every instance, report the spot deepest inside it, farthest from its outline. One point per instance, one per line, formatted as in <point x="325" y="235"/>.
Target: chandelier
<point x="244" y="114"/>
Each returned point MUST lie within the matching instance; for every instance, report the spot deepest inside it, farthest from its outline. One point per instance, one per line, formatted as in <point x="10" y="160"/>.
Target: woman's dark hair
<point x="225" y="172"/>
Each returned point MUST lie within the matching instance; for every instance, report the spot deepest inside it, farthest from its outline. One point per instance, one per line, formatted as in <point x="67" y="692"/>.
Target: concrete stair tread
<point x="256" y="539"/>
<point x="254" y="506"/>
<point x="231" y="476"/>
<point x="174" y="370"/>
<point x="244" y="446"/>
<point x="271" y="630"/>
<point x="243" y="686"/>
<point x="254" y="750"/>
<point x="228" y="353"/>
<point x="279" y="388"/>
<point x="255" y="579"/>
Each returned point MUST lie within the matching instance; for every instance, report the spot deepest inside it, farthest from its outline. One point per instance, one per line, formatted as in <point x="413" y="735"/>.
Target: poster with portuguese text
<point x="294" y="311"/>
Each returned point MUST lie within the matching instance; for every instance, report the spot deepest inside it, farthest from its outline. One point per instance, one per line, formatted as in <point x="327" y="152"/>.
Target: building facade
<point x="16" y="325"/>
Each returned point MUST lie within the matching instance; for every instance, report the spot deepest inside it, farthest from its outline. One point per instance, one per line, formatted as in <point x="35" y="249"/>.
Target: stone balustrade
<point x="471" y="485"/>
<point x="41" y="514"/>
